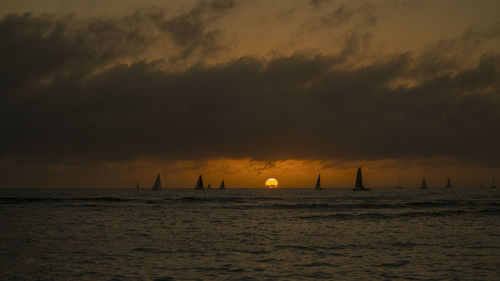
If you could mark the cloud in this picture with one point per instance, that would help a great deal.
(338, 16)
(317, 3)
(81, 91)
(190, 30)
(45, 46)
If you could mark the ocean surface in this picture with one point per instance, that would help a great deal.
(250, 234)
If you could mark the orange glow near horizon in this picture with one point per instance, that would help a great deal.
(271, 183)
(248, 173)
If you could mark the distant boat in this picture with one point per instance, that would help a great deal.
(424, 184)
(448, 183)
(318, 183)
(222, 185)
(399, 184)
(157, 184)
(359, 182)
(199, 184)
(209, 187)
(482, 184)
(493, 183)
(137, 185)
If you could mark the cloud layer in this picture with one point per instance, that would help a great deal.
(76, 90)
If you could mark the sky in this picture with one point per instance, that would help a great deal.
(110, 93)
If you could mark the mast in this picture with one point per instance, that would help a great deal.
(199, 184)
(222, 185)
(318, 183)
(157, 184)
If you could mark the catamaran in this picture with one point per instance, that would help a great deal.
(318, 183)
(359, 182)
(222, 185)
(424, 184)
(157, 184)
(199, 184)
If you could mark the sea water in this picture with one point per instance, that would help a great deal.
(250, 234)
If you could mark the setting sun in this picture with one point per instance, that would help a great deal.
(272, 183)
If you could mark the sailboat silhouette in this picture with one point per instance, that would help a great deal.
(318, 183)
(448, 183)
(359, 182)
(424, 184)
(399, 183)
(199, 184)
(157, 184)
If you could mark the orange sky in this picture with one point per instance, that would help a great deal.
(248, 173)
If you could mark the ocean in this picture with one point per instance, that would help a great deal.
(250, 234)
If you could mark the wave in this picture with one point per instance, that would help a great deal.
(209, 199)
(14, 200)
(377, 206)
(237, 202)
(340, 216)
(186, 199)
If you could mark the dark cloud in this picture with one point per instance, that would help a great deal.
(317, 3)
(62, 100)
(356, 25)
(339, 16)
(45, 47)
(191, 30)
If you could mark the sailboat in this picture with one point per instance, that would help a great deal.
(448, 183)
(137, 185)
(209, 187)
(222, 185)
(482, 184)
(424, 184)
(359, 182)
(199, 184)
(493, 183)
(399, 183)
(157, 184)
(318, 183)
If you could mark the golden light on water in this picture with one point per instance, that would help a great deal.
(272, 183)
